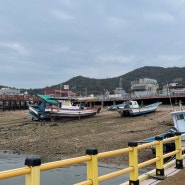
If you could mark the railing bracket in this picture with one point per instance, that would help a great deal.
(157, 177)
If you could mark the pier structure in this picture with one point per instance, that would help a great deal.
(142, 100)
(16, 102)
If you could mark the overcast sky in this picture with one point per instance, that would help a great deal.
(46, 42)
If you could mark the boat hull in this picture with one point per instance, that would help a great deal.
(51, 113)
(75, 113)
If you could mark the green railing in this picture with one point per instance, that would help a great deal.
(33, 166)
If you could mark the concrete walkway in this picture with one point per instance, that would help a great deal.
(153, 180)
(150, 177)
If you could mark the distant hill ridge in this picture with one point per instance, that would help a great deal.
(84, 85)
(98, 86)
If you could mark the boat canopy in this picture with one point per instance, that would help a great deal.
(47, 98)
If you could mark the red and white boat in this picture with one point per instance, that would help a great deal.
(60, 108)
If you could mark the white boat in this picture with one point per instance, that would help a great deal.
(132, 108)
(66, 109)
(60, 108)
(179, 120)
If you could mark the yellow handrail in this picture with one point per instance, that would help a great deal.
(63, 163)
(115, 174)
(114, 153)
(14, 172)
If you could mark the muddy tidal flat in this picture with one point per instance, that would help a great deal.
(56, 140)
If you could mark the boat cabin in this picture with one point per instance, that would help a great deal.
(132, 104)
(67, 104)
(179, 120)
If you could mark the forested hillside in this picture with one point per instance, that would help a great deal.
(84, 85)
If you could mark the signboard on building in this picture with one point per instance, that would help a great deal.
(66, 87)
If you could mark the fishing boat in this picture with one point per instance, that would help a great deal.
(179, 118)
(132, 108)
(59, 108)
(179, 121)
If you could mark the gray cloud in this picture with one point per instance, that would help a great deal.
(44, 43)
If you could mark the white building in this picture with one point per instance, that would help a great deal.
(144, 87)
(9, 91)
(176, 89)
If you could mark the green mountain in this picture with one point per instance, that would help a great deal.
(83, 85)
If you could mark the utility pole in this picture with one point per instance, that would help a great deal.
(120, 83)
(60, 89)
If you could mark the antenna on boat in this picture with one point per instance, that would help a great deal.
(168, 92)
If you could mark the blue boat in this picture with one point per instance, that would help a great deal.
(132, 108)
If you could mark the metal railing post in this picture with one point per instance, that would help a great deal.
(178, 146)
(159, 154)
(92, 166)
(34, 177)
(133, 162)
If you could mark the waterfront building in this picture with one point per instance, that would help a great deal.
(9, 91)
(59, 93)
(176, 89)
(144, 87)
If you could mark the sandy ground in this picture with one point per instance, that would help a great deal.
(59, 140)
